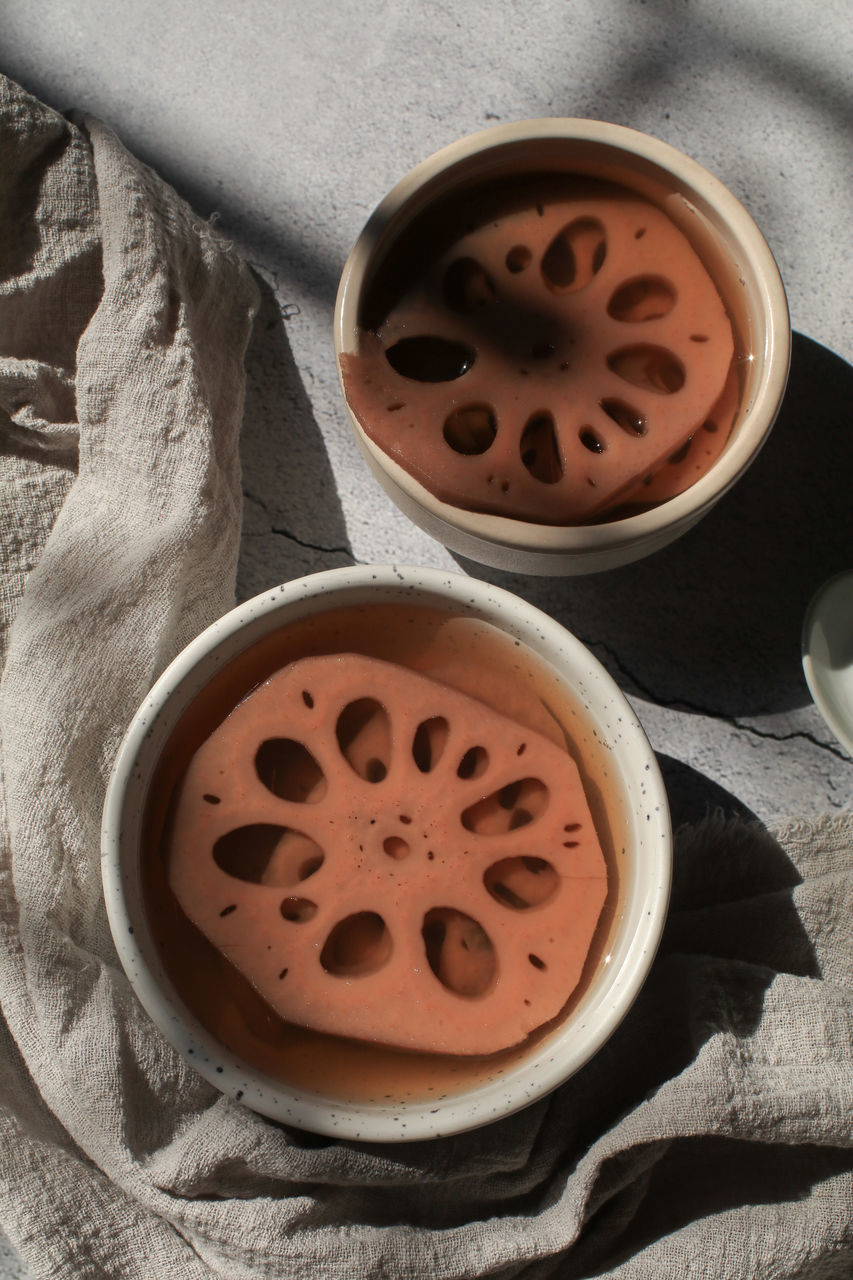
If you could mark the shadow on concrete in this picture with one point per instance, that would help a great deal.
(711, 42)
(693, 797)
(292, 518)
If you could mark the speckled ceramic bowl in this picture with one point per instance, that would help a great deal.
(621, 781)
(719, 228)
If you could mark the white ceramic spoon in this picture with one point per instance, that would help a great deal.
(828, 655)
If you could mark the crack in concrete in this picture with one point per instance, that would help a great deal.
(291, 537)
(674, 704)
(805, 734)
(314, 546)
(735, 722)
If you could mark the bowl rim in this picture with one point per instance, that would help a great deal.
(536, 1075)
(683, 509)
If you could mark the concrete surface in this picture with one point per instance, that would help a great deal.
(288, 122)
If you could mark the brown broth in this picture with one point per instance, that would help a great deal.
(457, 650)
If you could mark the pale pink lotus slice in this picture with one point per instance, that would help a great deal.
(386, 858)
(591, 343)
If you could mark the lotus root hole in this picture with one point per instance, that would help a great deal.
(358, 944)
(681, 453)
(263, 853)
(575, 256)
(307, 698)
(645, 298)
(537, 962)
(363, 732)
(698, 337)
(513, 806)
(211, 799)
(518, 259)
(468, 286)
(591, 441)
(396, 848)
(310, 866)
(298, 910)
(473, 764)
(522, 882)
(428, 744)
(288, 769)
(459, 951)
(540, 451)
(632, 422)
(652, 368)
(429, 358)
(471, 429)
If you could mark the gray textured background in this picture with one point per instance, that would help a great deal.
(289, 121)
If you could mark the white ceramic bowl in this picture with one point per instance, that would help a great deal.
(617, 763)
(719, 228)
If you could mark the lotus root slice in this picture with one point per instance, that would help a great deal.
(549, 361)
(388, 859)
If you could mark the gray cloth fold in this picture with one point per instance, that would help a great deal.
(711, 1137)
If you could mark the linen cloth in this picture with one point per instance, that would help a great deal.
(711, 1137)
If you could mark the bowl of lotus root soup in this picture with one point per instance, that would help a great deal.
(560, 342)
(386, 854)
